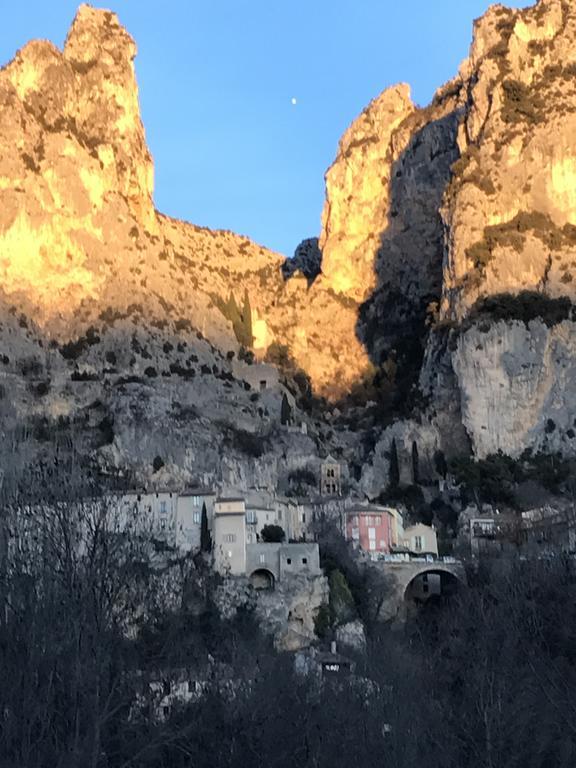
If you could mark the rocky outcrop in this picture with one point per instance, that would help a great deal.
(357, 195)
(307, 260)
(352, 635)
(287, 612)
(518, 386)
(511, 207)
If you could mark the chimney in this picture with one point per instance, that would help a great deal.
(333, 646)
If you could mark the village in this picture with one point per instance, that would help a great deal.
(268, 538)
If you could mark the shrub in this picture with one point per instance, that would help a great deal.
(151, 372)
(83, 376)
(524, 306)
(106, 428)
(157, 464)
(272, 534)
(248, 443)
(342, 608)
(323, 622)
(521, 103)
(41, 389)
(303, 476)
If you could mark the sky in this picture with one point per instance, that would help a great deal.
(217, 80)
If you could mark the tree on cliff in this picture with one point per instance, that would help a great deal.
(205, 538)
(285, 411)
(247, 321)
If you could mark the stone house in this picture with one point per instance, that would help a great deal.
(166, 515)
(420, 539)
(296, 518)
(547, 529)
(259, 516)
(492, 534)
(267, 564)
(150, 513)
(189, 517)
(229, 536)
(260, 376)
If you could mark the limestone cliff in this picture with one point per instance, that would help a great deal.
(429, 213)
(477, 203)
(79, 235)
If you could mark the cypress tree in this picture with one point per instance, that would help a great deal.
(415, 464)
(394, 471)
(285, 411)
(247, 321)
(205, 538)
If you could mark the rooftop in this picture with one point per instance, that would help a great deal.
(198, 492)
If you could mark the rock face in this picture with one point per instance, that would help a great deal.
(287, 613)
(357, 194)
(429, 213)
(80, 238)
(518, 386)
(477, 203)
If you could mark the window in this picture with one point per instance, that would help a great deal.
(191, 686)
(196, 517)
(163, 508)
(196, 501)
(378, 520)
(279, 514)
(303, 517)
(355, 521)
(418, 543)
(163, 524)
(230, 538)
(251, 517)
(262, 385)
(304, 561)
(262, 559)
(289, 560)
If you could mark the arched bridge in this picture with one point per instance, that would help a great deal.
(418, 579)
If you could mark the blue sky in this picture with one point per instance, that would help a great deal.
(216, 80)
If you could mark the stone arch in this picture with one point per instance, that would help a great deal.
(432, 581)
(262, 578)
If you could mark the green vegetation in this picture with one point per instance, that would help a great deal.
(496, 478)
(521, 103)
(205, 537)
(272, 534)
(394, 469)
(512, 234)
(342, 607)
(524, 306)
(158, 463)
(285, 411)
(241, 319)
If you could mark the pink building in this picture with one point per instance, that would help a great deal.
(369, 527)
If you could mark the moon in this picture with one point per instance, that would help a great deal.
(293, 101)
